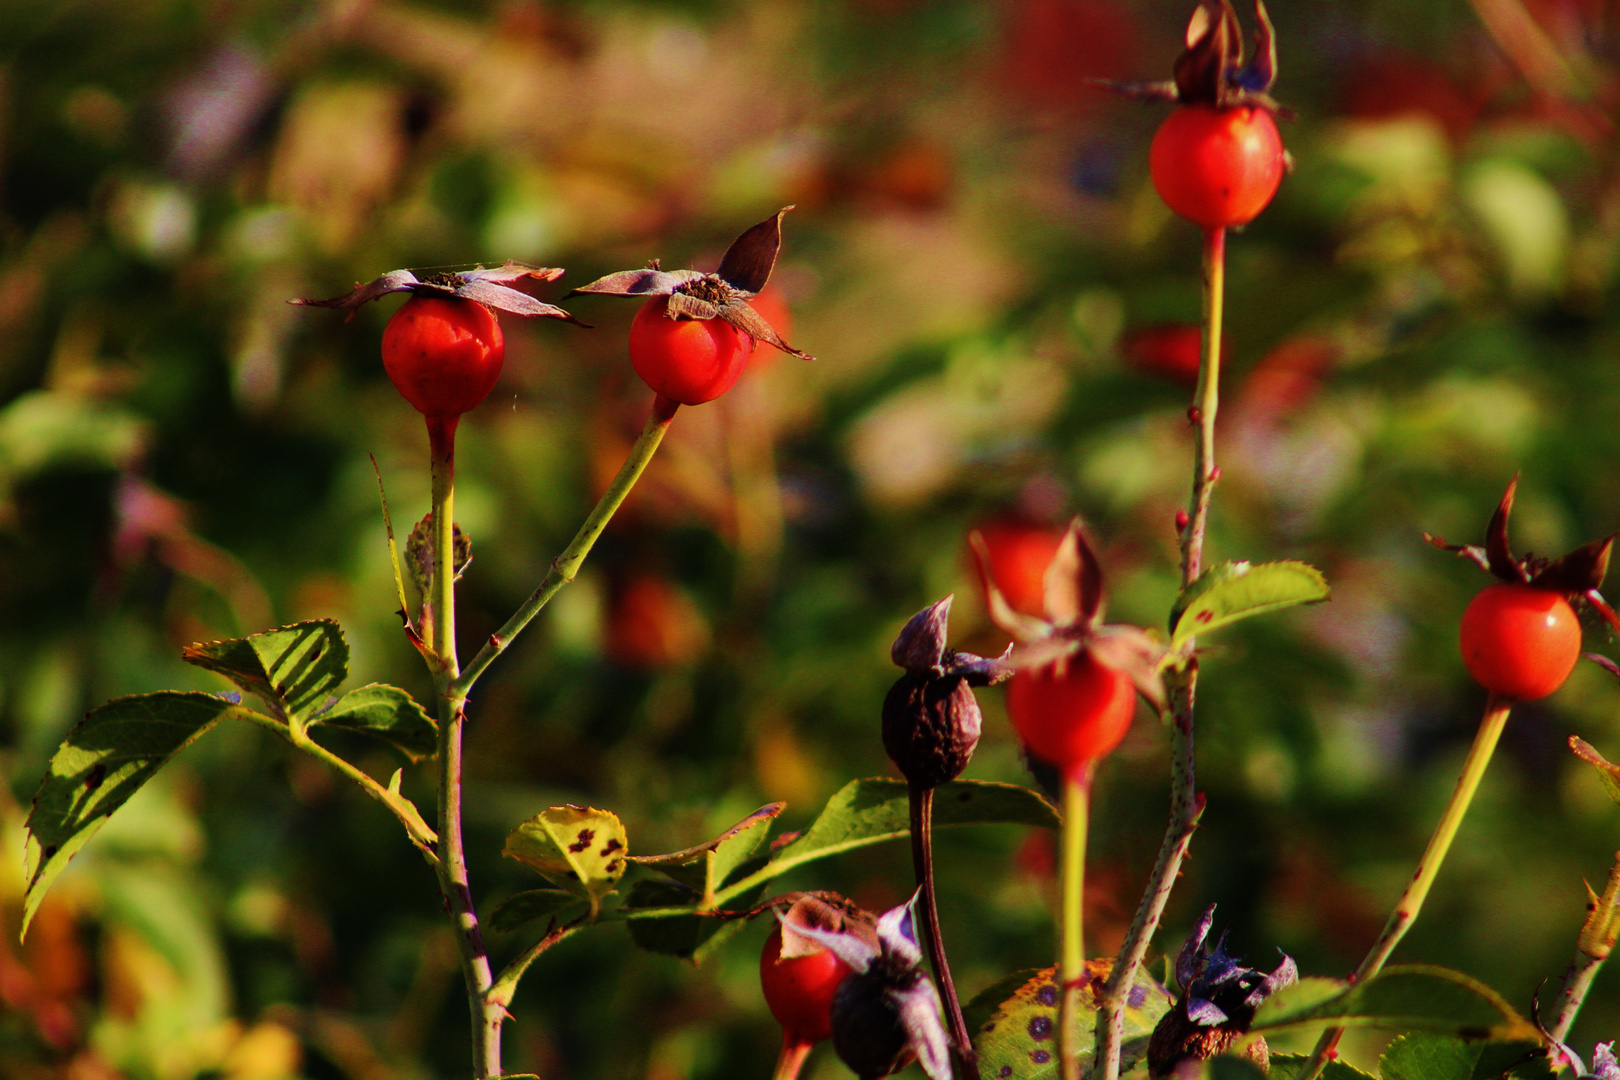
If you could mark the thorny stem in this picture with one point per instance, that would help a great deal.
(791, 1059)
(1076, 800)
(1411, 901)
(566, 565)
(922, 862)
(486, 1015)
(1592, 947)
(1185, 804)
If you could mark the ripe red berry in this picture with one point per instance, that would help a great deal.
(1071, 712)
(1217, 167)
(687, 360)
(443, 353)
(800, 990)
(1520, 642)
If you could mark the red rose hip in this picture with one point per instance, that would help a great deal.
(443, 353)
(686, 360)
(800, 990)
(1520, 642)
(1217, 166)
(1072, 712)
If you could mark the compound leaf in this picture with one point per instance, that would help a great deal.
(1414, 997)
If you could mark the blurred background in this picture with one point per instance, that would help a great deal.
(1001, 308)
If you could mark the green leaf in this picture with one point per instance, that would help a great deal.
(1406, 998)
(387, 713)
(1231, 1067)
(531, 906)
(1020, 1038)
(577, 847)
(1430, 1056)
(1289, 1066)
(1231, 591)
(688, 936)
(704, 868)
(103, 761)
(876, 809)
(988, 1000)
(1425, 1055)
(294, 670)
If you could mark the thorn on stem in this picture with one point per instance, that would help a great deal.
(1195, 415)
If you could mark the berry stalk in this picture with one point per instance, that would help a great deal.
(566, 565)
(452, 865)
(1186, 806)
(922, 861)
(1406, 910)
(1076, 809)
(791, 1060)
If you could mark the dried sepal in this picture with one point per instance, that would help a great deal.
(1210, 69)
(1580, 571)
(745, 269)
(1073, 584)
(826, 912)
(492, 287)
(1498, 554)
(1472, 552)
(748, 262)
(1135, 652)
(648, 281)
(920, 645)
(1014, 623)
(1604, 662)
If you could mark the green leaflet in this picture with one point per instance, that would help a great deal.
(103, 761)
(387, 713)
(576, 847)
(293, 669)
(1231, 591)
(1413, 997)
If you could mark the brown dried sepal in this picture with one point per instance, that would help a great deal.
(1210, 69)
(745, 269)
(1074, 598)
(1575, 575)
(493, 288)
(826, 911)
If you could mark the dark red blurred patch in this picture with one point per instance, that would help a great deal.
(1052, 46)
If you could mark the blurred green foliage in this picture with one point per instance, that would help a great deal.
(1429, 306)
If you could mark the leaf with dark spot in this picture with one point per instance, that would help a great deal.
(557, 843)
(105, 759)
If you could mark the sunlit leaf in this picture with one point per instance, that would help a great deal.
(103, 761)
(294, 669)
(1020, 1038)
(1232, 591)
(577, 847)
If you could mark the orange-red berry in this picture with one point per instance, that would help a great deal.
(1520, 642)
(443, 353)
(1217, 167)
(1072, 712)
(687, 360)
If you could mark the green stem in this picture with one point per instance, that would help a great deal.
(922, 862)
(1411, 901)
(1076, 800)
(566, 565)
(453, 881)
(1185, 804)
